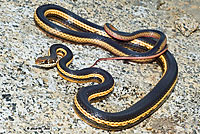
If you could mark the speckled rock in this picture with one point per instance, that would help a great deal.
(34, 100)
(186, 24)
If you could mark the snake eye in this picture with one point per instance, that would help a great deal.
(45, 61)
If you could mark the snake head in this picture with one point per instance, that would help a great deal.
(46, 62)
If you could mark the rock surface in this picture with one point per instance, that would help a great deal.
(34, 100)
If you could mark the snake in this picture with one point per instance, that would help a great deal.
(139, 46)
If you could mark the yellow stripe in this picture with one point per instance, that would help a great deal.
(100, 94)
(124, 123)
(75, 21)
(80, 76)
(78, 39)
